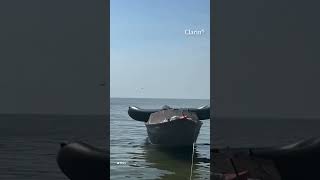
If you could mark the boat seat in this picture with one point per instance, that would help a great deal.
(302, 149)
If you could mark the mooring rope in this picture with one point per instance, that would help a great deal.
(191, 168)
(192, 157)
(193, 151)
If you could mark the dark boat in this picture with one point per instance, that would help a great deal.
(81, 161)
(292, 162)
(171, 127)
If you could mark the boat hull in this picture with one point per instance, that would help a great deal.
(80, 161)
(174, 133)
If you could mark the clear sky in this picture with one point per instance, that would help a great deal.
(151, 57)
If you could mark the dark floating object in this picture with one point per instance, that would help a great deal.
(171, 127)
(80, 161)
(144, 114)
(292, 162)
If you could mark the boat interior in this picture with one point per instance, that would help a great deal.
(167, 114)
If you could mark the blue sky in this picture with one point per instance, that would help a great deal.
(151, 57)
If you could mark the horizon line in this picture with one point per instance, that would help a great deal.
(159, 98)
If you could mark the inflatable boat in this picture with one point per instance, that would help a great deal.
(143, 115)
(81, 161)
(171, 126)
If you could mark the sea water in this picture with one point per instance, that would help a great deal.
(132, 157)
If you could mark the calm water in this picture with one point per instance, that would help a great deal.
(29, 144)
(133, 158)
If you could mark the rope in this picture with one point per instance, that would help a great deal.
(194, 142)
(191, 169)
(235, 168)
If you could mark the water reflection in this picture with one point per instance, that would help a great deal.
(131, 158)
(175, 163)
